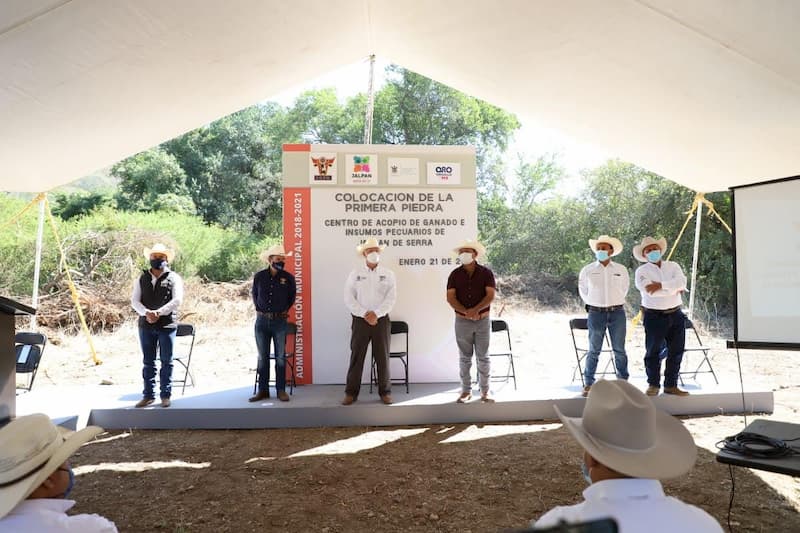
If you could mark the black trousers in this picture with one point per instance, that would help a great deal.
(361, 335)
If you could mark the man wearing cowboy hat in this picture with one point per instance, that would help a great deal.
(369, 294)
(603, 286)
(157, 294)
(273, 294)
(470, 290)
(628, 446)
(661, 283)
(36, 478)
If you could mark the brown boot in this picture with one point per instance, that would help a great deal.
(282, 396)
(652, 390)
(675, 391)
(348, 400)
(586, 390)
(387, 399)
(166, 402)
(144, 402)
(262, 395)
(464, 398)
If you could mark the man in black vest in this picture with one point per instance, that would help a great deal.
(157, 294)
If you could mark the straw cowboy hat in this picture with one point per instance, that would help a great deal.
(32, 448)
(275, 249)
(647, 241)
(159, 248)
(473, 244)
(372, 242)
(623, 430)
(615, 243)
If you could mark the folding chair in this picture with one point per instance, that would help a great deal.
(582, 324)
(503, 350)
(691, 346)
(400, 329)
(184, 358)
(290, 348)
(28, 348)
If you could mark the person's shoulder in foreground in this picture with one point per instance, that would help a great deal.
(629, 445)
(35, 478)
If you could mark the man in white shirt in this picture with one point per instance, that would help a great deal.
(661, 283)
(35, 478)
(369, 295)
(628, 446)
(156, 296)
(603, 286)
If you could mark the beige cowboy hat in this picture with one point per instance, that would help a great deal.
(372, 242)
(615, 243)
(159, 248)
(647, 241)
(275, 249)
(32, 448)
(473, 244)
(623, 430)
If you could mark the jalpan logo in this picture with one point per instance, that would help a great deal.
(323, 168)
(362, 169)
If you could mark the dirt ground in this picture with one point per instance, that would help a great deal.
(436, 478)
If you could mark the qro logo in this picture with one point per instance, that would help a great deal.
(444, 170)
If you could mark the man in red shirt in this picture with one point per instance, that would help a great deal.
(470, 290)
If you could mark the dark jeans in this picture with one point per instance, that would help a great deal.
(164, 339)
(362, 334)
(615, 322)
(271, 331)
(658, 329)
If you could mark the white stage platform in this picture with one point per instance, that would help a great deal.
(319, 406)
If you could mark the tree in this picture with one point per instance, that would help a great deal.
(146, 177)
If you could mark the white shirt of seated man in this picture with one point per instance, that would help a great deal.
(628, 446)
(36, 478)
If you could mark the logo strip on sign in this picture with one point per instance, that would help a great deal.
(297, 239)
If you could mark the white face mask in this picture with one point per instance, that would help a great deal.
(373, 257)
(465, 258)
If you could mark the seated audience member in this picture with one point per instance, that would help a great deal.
(628, 446)
(36, 478)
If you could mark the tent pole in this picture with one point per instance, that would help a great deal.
(370, 102)
(695, 253)
(37, 261)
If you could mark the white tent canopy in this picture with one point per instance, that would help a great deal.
(706, 93)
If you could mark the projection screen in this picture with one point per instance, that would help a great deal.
(767, 264)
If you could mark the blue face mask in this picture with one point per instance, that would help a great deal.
(278, 265)
(654, 256)
(601, 255)
(585, 472)
(71, 481)
(158, 264)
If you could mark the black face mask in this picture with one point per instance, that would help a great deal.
(158, 264)
(278, 265)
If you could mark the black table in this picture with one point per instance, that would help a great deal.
(789, 465)
(8, 381)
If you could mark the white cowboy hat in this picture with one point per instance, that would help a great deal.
(159, 248)
(32, 448)
(615, 243)
(473, 244)
(372, 242)
(275, 249)
(647, 241)
(624, 431)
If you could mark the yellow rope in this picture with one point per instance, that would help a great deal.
(16, 217)
(72, 289)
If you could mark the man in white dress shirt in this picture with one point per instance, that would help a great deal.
(661, 283)
(628, 446)
(36, 478)
(603, 286)
(369, 295)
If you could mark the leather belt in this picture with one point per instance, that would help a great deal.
(480, 316)
(662, 311)
(603, 309)
(272, 316)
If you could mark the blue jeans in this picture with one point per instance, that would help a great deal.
(615, 322)
(164, 339)
(658, 329)
(274, 331)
